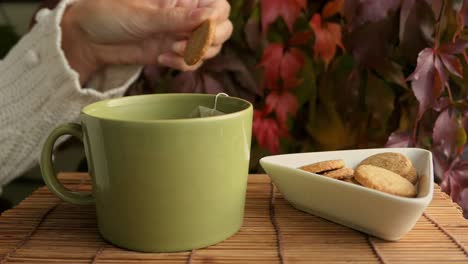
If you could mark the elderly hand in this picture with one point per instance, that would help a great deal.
(97, 33)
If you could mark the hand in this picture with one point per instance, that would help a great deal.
(97, 33)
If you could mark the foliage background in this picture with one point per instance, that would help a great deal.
(342, 74)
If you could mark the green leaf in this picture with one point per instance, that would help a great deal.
(307, 90)
(461, 134)
(236, 7)
(449, 24)
(344, 64)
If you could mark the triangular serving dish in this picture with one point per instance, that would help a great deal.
(376, 213)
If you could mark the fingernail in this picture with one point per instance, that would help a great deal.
(200, 14)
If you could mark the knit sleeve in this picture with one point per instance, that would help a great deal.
(39, 91)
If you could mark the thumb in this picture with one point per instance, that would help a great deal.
(177, 19)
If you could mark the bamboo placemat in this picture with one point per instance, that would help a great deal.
(42, 229)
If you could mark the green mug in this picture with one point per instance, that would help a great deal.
(162, 182)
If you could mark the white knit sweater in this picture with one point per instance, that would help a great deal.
(39, 91)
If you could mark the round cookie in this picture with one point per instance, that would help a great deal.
(412, 176)
(396, 162)
(342, 173)
(324, 166)
(384, 180)
(199, 42)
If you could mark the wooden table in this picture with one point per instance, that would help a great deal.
(42, 229)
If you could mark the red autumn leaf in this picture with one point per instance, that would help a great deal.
(441, 163)
(266, 131)
(459, 46)
(278, 63)
(462, 18)
(327, 37)
(302, 3)
(291, 64)
(271, 61)
(289, 10)
(399, 139)
(427, 82)
(431, 76)
(455, 182)
(439, 66)
(332, 8)
(441, 103)
(453, 64)
(300, 38)
(283, 104)
(445, 134)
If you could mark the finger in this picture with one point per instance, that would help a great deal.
(175, 61)
(212, 52)
(124, 54)
(140, 52)
(222, 7)
(187, 3)
(159, 3)
(223, 33)
(206, 2)
(177, 19)
(180, 46)
(182, 35)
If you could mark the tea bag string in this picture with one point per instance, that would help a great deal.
(216, 101)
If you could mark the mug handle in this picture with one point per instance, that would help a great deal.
(47, 168)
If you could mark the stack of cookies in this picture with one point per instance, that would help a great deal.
(389, 172)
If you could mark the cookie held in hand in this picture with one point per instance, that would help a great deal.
(384, 180)
(199, 42)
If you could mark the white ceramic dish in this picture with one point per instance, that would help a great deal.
(373, 212)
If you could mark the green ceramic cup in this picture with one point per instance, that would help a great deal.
(162, 182)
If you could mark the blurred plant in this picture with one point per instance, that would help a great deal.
(327, 75)
(342, 74)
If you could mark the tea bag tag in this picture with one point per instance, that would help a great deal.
(206, 111)
(203, 111)
(216, 103)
